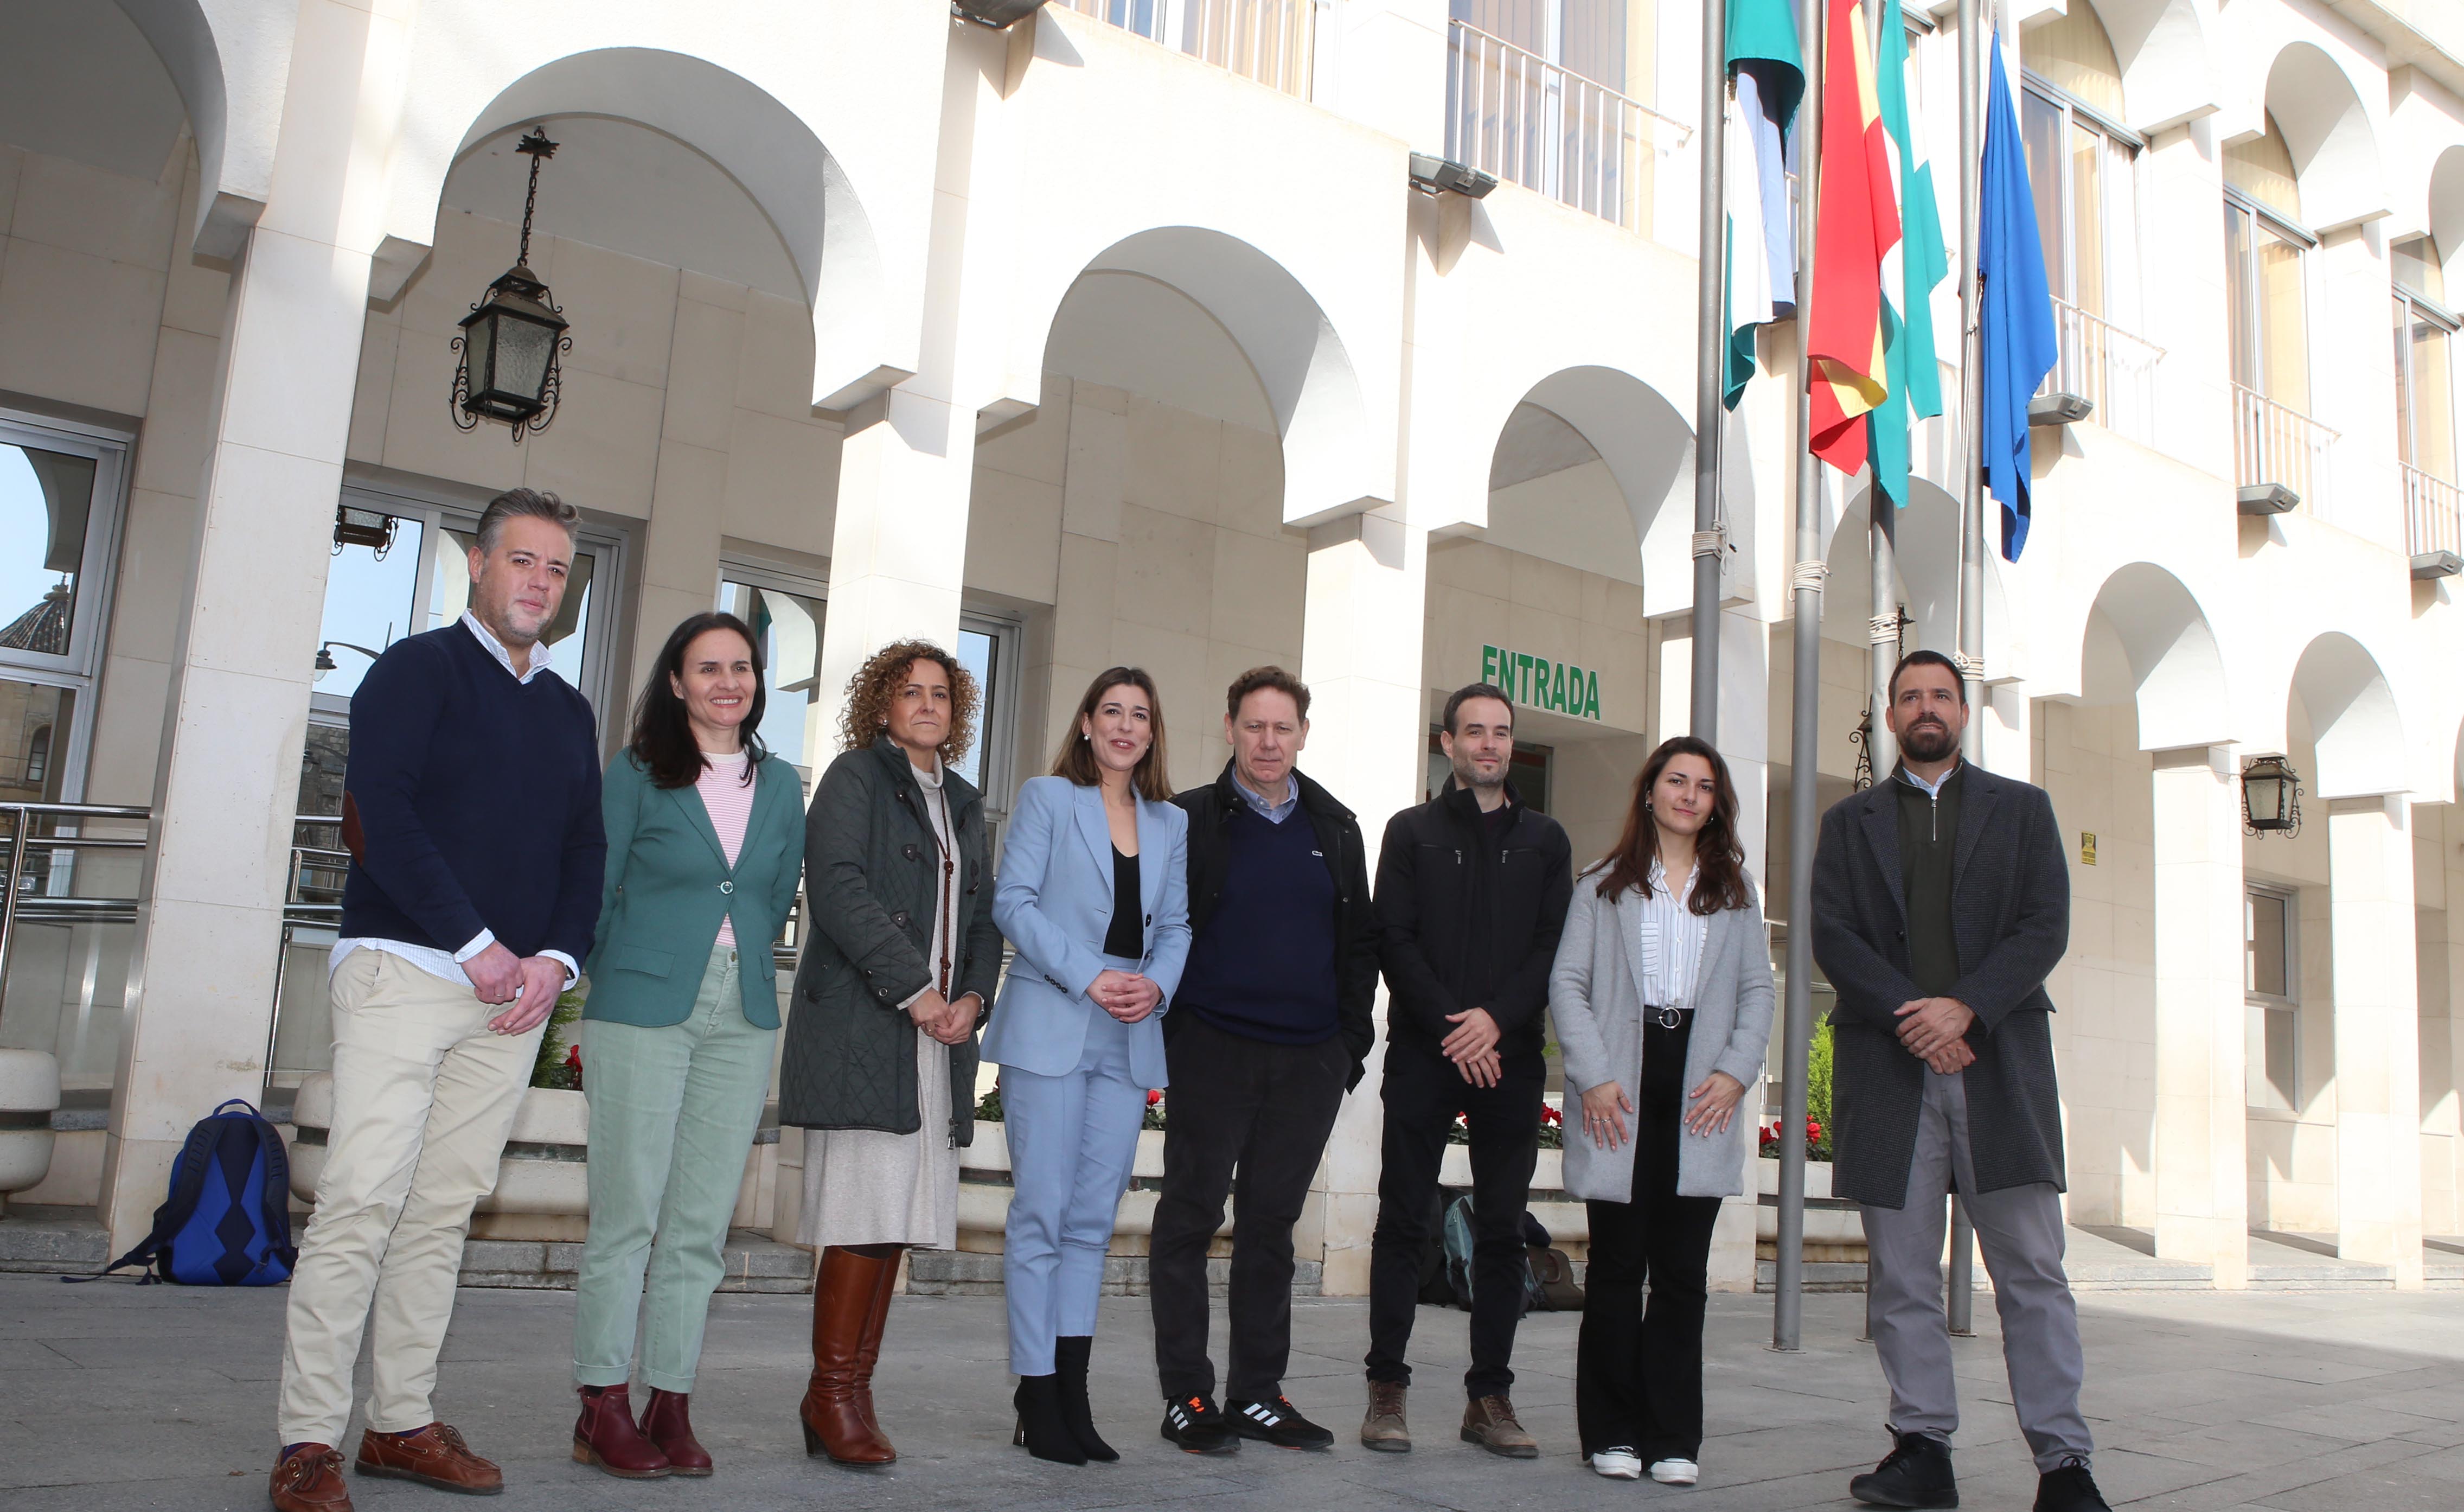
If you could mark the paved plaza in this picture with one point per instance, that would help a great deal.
(119, 1398)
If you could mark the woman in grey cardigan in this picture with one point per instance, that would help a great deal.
(900, 958)
(1661, 997)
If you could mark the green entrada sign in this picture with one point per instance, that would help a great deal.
(1539, 683)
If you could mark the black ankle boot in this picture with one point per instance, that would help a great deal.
(1070, 1359)
(1915, 1474)
(1041, 1429)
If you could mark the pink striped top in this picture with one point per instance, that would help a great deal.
(728, 799)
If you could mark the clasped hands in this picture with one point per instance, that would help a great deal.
(1714, 1106)
(531, 983)
(1126, 995)
(949, 1022)
(1472, 1046)
(1934, 1029)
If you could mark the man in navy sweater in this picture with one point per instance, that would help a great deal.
(1269, 1030)
(471, 812)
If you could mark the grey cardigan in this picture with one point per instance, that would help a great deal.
(1595, 1002)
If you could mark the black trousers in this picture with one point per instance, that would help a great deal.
(1424, 1091)
(1264, 1111)
(1638, 1373)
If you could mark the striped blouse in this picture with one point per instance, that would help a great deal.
(1672, 943)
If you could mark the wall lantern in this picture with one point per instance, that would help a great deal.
(325, 661)
(2270, 796)
(511, 339)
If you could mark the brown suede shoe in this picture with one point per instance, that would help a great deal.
(436, 1455)
(1489, 1422)
(310, 1480)
(1383, 1427)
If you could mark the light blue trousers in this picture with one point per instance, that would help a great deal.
(1073, 1141)
(672, 1114)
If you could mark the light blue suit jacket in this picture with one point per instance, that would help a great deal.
(1053, 900)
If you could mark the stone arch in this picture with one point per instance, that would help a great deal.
(2357, 728)
(749, 134)
(1925, 543)
(2446, 218)
(2162, 48)
(231, 70)
(1646, 447)
(2177, 672)
(2335, 149)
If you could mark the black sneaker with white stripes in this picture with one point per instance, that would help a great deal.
(1197, 1426)
(1276, 1421)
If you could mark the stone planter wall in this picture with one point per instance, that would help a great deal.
(29, 1090)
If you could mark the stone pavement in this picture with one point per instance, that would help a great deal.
(115, 1398)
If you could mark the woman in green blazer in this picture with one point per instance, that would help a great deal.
(705, 845)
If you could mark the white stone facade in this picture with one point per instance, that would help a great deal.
(1098, 346)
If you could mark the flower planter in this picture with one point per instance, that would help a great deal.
(542, 1186)
(1831, 1227)
(30, 1092)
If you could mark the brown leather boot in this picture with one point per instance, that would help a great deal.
(867, 1352)
(667, 1423)
(843, 1299)
(605, 1435)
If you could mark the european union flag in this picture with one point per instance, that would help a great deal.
(2018, 343)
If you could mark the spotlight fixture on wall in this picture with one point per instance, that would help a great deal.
(512, 339)
(2270, 796)
(1432, 174)
(995, 13)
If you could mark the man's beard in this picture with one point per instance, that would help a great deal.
(1930, 740)
(1468, 776)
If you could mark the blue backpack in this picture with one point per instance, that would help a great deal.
(227, 1221)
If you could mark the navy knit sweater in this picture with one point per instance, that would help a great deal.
(1263, 967)
(477, 799)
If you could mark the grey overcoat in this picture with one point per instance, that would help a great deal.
(2011, 918)
(1596, 1005)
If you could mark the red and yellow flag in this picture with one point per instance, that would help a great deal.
(1857, 222)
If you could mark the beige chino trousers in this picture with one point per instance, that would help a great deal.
(423, 1096)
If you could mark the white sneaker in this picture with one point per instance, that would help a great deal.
(1617, 1465)
(1675, 1471)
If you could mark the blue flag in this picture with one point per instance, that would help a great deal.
(2016, 324)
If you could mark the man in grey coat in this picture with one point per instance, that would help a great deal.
(1941, 903)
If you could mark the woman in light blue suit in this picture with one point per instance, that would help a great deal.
(1093, 894)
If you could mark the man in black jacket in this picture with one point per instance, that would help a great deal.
(1269, 1030)
(1472, 889)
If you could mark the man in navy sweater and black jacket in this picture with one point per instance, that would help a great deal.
(471, 812)
(1269, 1030)
(1472, 889)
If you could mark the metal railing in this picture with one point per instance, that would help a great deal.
(2110, 369)
(2273, 443)
(2433, 513)
(1529, 121)
(33, 897)
(1266, 40)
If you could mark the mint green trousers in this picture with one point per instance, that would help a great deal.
(672, 1114)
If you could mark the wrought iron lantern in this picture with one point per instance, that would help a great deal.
(512, 339)
(2270, 796)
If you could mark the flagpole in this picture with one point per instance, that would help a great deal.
(1805, 731)
(1971, 514)
(1710, 343)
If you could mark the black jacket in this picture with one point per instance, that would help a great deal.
(2011, 908)
(1210, 812)
(872, 875)
(1467, 924)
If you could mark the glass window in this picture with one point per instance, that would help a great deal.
(2425, 393)
(60, 497)
(789, 626)
(2265, 284)
(2270, 984)
(2079, 175)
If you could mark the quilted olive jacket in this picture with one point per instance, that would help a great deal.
(871, 870)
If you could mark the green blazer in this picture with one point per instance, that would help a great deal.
(668, 885)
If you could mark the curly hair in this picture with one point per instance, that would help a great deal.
(869, 691)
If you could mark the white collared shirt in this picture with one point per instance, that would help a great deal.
(1672, 942)
(447, 964)
(1933, 789)
(1277, 811)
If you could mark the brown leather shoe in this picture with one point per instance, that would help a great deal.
(1383, 1427)
(1489, 1421)
(605, 1435)
(437, 1456)
(867, 1352)
(667, 1422)
(843, 1301)
(310, 1480)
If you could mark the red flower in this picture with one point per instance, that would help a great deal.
(573, 1057)
(1551, 1116)
(1813, 1129)
(1154, 1096)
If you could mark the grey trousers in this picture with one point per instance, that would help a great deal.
(2020, 1230)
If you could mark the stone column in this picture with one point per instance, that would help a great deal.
(2378, 1046)
(1360, 654)
(2202, 1181)
(210, 910)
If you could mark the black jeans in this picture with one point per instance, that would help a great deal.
(1265, 1110)
(1639, 1375)
(1424, 1091)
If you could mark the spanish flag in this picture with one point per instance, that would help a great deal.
(1857, 224)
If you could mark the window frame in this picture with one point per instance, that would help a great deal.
(78, 669)
(2305, 242)
(2418, 305)
(2265, 1003)
(2077, 112)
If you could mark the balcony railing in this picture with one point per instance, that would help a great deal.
(1265, 40)
(2109, 367)
(2279, 447)
(2433, 515)
(1528, 121)
(68, 908)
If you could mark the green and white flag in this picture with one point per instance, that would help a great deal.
(1766, 80)
(1910, 271)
